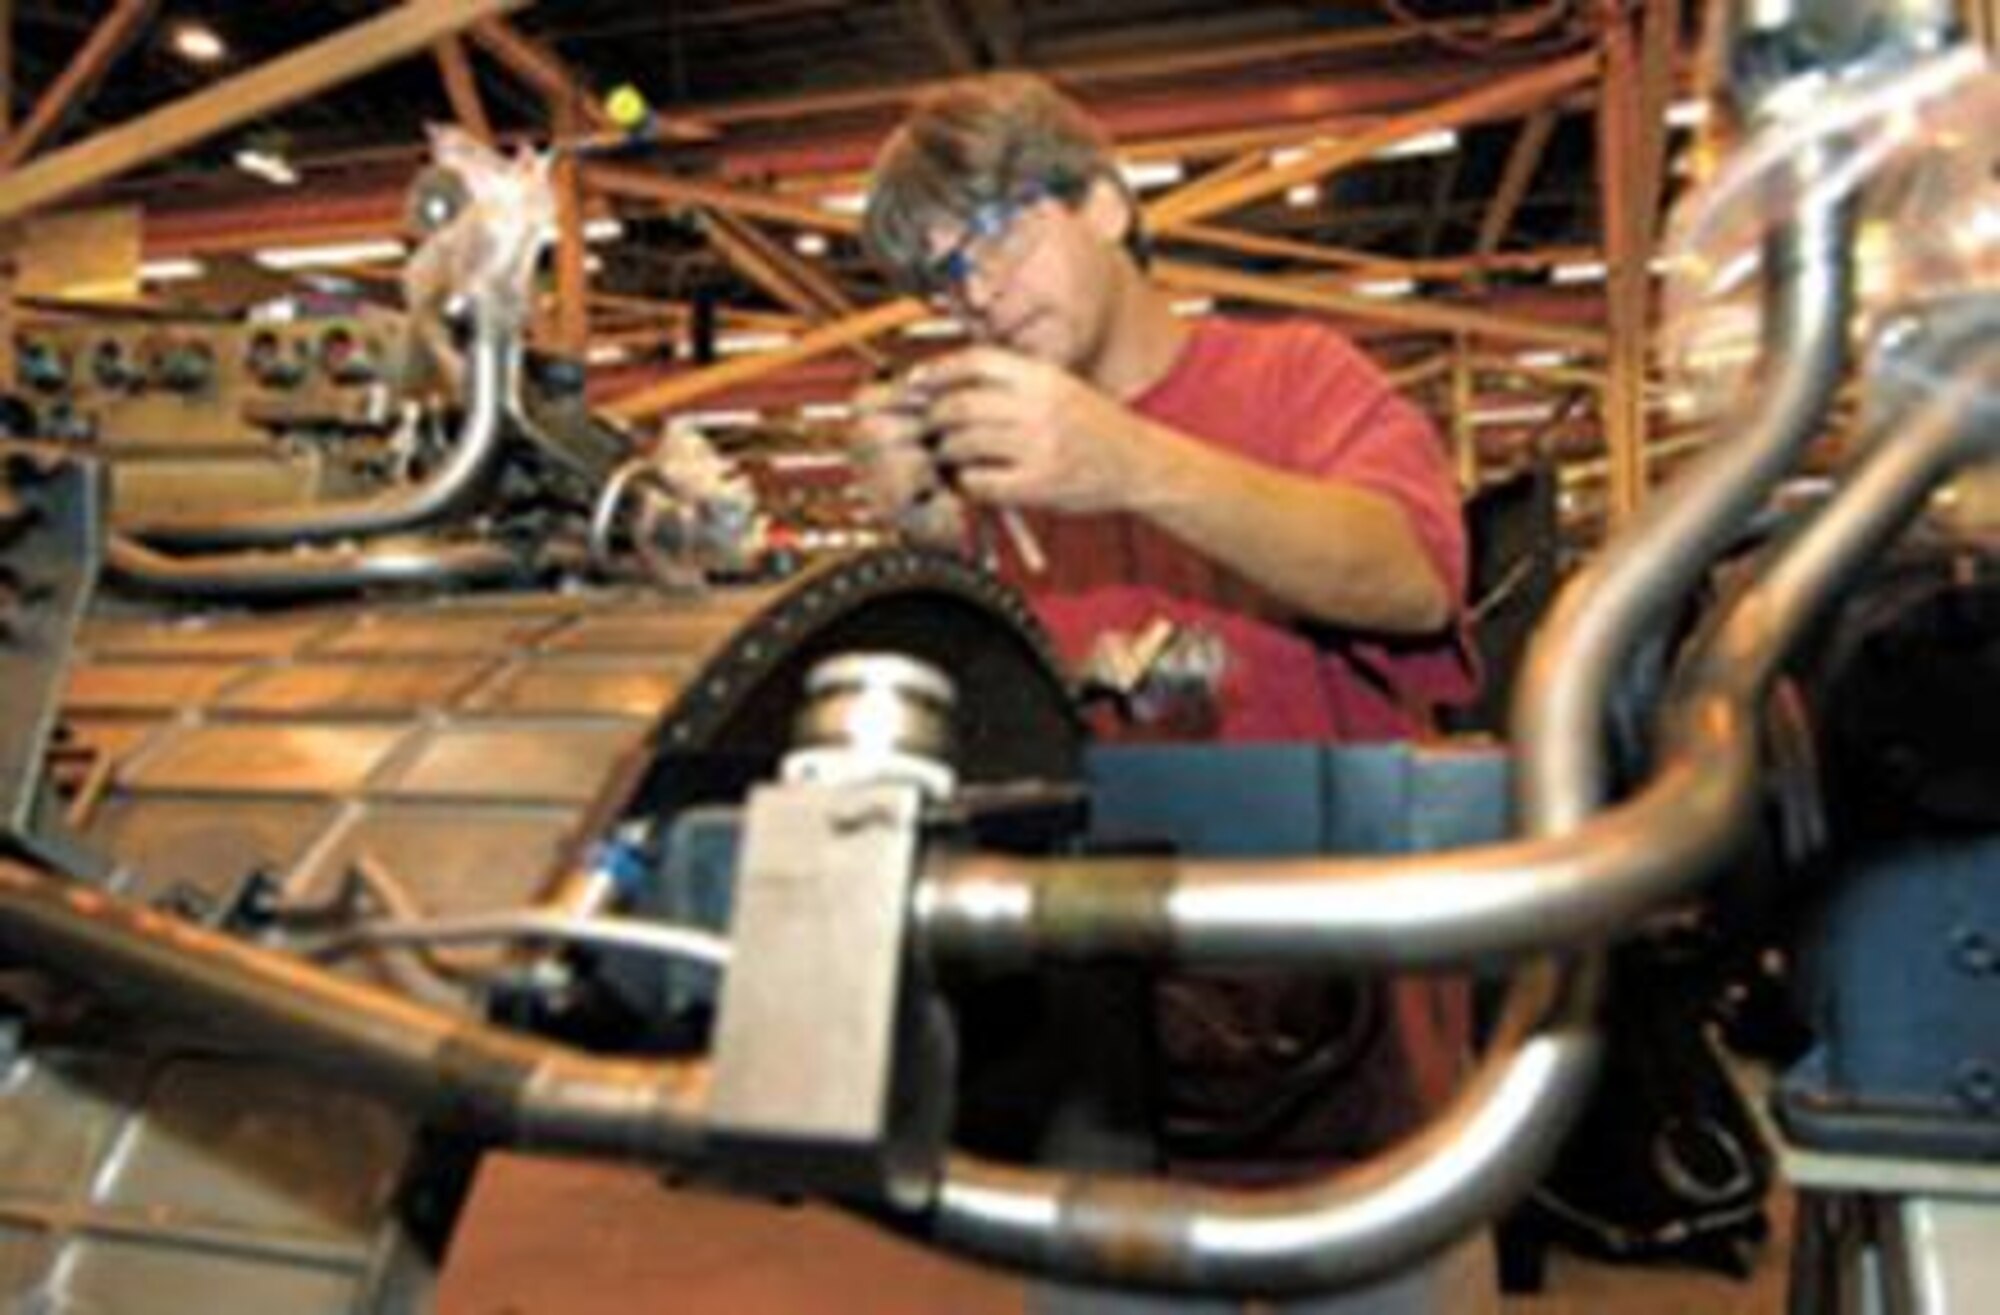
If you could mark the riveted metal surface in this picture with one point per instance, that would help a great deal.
(232, 639)
(455, 859)
(431, 633)
(145, 686)
(204, 844)
(355, 688)
(512, 763)
(288, 758)
(587, 686)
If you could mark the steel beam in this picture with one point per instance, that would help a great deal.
(329, 62)
(105, 43)
(461, 88)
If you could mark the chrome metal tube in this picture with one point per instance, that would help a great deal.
(1335, 1231)
(445, 492)
(270, 575)
(454, 1071)
(1631, 588)
(1569, 888)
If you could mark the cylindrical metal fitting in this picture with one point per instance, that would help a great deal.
(875, 716)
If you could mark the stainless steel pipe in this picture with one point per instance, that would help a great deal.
(248, 574)
(445, 492)
(454, 1071)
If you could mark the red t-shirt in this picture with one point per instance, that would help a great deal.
(1298, 396)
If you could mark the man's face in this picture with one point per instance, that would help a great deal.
(1030, 274)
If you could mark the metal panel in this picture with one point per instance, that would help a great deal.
(205, 844)
(242, 1146)
(145, 686)
(624, 689)
(356, 687)
(43, 1158)
(453, 859)
(218, 641)
(252, 759)
(516, 763)
(406, 634)
(171, 1278)
(691, 632)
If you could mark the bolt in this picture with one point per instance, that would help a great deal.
(1978, 1085)
(1974, 951)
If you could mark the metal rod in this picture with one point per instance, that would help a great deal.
(245, 575)
(692, 945)
(454, 1071)
(1336, 1231)
(490, 397)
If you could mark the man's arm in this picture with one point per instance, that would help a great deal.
(1028, 434)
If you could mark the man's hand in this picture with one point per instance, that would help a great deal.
(897, 473)
(1022, 432)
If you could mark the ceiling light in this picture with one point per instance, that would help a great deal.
(268, 165)
(1543, 359)
(607, 229)
(198, 44)
(1513, 415)
(1145, 175)
(1581, 271)
(1383, 287)
(826, 411)
(810, 243)
(720, 419)
(934, 328)
(1438, 141)
(1687, 114)
(1303, 196)
(173, 269)
(607, 353)
(844, 203)
(1194, 307)
(751, 340)
(329, 254)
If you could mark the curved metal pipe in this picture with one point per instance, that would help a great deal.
(1631, 588)
(1336, 1231)
(454, 1071)
(269, 575)
(490, 397)
(1548, 894)
(1497, 1134)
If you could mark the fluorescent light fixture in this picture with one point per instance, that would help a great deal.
(1580, 271)
(1512, 415)
(1383, 287)
(1438, 141)
(844, 203)
(1303, 196)
(810, 243)
(608, 229)
(719, 419)
(1285, 156)
(751, 340)
(172, 269)
(593, 264)
(330, 254)
(934, 329)
(268, 165)
(1194, 307)
(1543, 359)
(1144, 175)
(826, 411)
(279, 310)
(607, 353)
(802, 461)
(1687, 113)
(198, 44)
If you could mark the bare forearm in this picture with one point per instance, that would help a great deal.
(1339, 553)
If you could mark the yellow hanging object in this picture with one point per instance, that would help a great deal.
(626, 106)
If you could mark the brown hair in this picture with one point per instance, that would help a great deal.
(976, 141)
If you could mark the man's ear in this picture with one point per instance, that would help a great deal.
(1107, 208)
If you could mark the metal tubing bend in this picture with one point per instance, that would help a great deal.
(445, 492)
(1335, 1231)
(454, 1071)
(274, 575)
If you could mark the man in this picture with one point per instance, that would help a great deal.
(1258, 482)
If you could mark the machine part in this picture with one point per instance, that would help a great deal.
(1333, 1232)
(451, 1071)
(49, 558)
(680, 944)
(316, 573)
(446, 492)
(847, 1097)
(875, 717)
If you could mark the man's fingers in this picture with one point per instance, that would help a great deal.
(974, 405)
(979, 444)
(972, 365)
(1001, 485)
